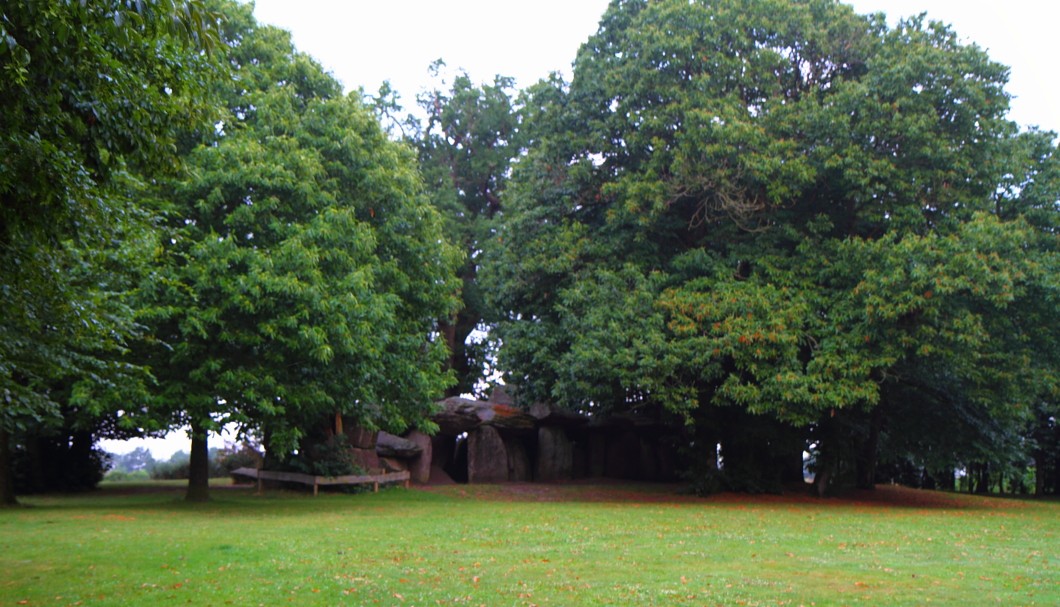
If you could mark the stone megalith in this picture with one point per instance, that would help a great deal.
(499, 394)
(518, 460)
(623, 455)
(458, 415)
(649, 461)
(393, 464)
(487, 457)
(367, 459)
(555, 454)
(360, 437)
(420, 467)
(388, 445)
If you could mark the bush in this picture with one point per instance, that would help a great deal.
(121, 476)
(176, 468)
(224, 461)
(333, 457)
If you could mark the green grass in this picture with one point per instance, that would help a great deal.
(528, 545)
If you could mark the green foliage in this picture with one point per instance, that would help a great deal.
(122, 476)
(93, 93)
(177, 467)
(303, 269)
(139, 458)
(139, 464)
(91, 90)
(240, 455)
(787, 208)
(54, 462)
(465, 151)
(333, 457)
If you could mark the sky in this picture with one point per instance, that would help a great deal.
(364, 42)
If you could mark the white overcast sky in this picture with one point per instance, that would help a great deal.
(364, 42)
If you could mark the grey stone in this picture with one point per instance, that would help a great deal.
(518, 460)
(366, 459)
(388, 445)
(623, 455)
(420, 466)
(500, 396)
(360, 437)
(555, 454)
(459, 415)
(487, 457)
(393, 464)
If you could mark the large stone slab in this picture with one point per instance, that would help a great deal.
(519, 469)
(393, 464)
(623, 455)
(597, 454)
(551, 416)
(367, 459)
(388, 445)
(359, 437)
(499, 395)
(420, 466)
(555, 455)
(487, 457)
(459, 415)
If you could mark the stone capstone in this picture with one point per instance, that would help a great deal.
(388, 445)
(459, 415)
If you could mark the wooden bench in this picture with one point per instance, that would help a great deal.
(316, 481)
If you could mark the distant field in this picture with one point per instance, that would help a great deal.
(526, 545)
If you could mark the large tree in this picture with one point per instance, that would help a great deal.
(305, 269)
(92, 92)
(773, 213)
(465, 149)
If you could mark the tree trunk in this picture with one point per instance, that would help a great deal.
(199, 466)
(81, 462)
(983, 484)
(455, 331)
(828, 456)
(7, 474)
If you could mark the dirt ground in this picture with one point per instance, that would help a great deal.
(884, 496)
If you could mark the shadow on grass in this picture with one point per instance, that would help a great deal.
(161, 496)
(884, 496)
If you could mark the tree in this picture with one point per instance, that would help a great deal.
(139, 458)
(92, 92)
(780, 208)
(304, 269)
(465, 151)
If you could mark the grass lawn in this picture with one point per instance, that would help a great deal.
(528, 545)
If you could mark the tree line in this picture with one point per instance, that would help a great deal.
(777, 226)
